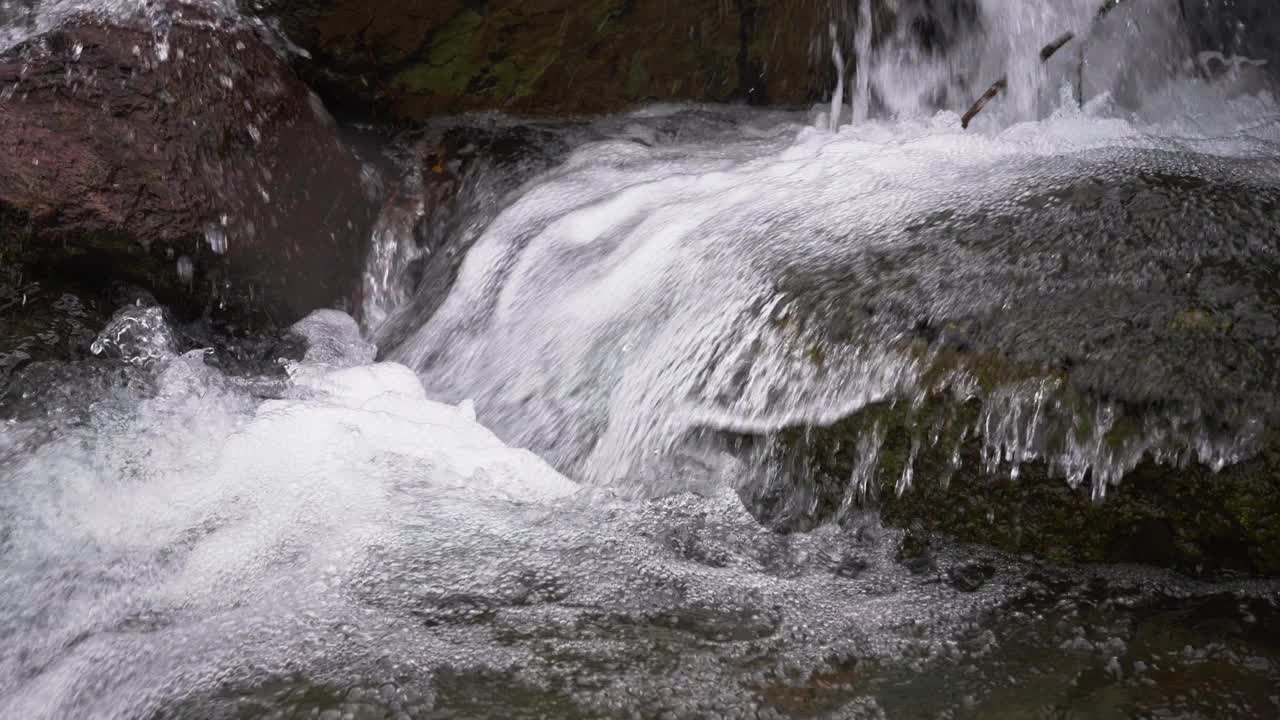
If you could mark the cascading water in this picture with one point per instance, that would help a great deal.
(330, 536)
(640, 294)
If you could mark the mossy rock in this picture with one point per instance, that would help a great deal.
(1134, 301)
(932, 472)
(1198, 521)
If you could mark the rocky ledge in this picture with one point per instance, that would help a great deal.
(1088, 374)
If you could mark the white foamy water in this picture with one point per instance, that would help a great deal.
(189, 551)
(201, 512)
(637, 293)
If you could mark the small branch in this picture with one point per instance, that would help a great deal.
(997, 88)
(1046, 52)
(1106, 8)
(1002, 84)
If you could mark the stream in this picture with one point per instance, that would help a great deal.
(507, 487)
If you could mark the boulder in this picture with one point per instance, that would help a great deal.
(180, 152)
(1087, 374)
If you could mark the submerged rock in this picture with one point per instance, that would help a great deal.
(180, 152)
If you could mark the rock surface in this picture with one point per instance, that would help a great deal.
(1190, 518)
(184, 156)
(411, 60)
(422, 58)
(1245, 28)
(1119, 331)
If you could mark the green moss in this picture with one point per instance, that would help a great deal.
(606, 15)
(817, 356)
(450, 65)
(1189, 518)
(1194, 321)
(638, 74)
(517, 77)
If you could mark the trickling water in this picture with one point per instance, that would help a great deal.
(837, 99)
(862, 49)
(914, 58)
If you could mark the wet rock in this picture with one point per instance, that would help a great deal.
(427, 57)
(1089, 346)
(970, 577)
(67, 392)
(565, 57)
(243, 350)
(179, 152)
(1233, 28)
(453, 176)
(1187, 516)
(41, 322)
(710, 624)
(849, 566)
(915, 551)
(302, 697)
(456, 609)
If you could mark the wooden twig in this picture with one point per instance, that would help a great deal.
(1002, 84)
(1046, 52)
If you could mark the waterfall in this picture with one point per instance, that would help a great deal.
(921, 57)
(861, 100)
(837, 98)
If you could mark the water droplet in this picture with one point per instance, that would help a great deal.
(216, 237)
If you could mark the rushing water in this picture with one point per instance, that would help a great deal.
(337, 537)
(643, 290)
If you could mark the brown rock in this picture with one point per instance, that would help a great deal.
(186, 157)
(409, 60)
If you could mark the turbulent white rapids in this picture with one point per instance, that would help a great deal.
(522, 511)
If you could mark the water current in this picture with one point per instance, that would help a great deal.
(513, 495)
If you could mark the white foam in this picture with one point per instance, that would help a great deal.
(202, 499)
(334, 340)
